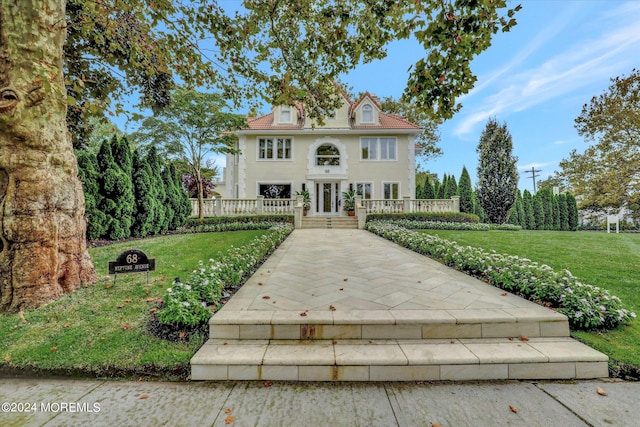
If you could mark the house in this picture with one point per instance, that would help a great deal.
(358, 147)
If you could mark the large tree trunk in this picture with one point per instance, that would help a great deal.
(43, 250)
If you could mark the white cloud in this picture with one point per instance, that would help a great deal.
(579, 64)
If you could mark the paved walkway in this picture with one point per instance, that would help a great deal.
(348, 305)
(124, 404)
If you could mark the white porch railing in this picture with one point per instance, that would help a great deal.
(237, 207)
(408, 205)
(262, 206)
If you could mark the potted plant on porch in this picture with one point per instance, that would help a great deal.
(349, 201)
(306, 200)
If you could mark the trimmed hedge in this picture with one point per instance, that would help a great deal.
(216, 220)
(426, 216)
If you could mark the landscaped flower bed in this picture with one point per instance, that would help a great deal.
(439, 225)
(586, 306)
(192, 302)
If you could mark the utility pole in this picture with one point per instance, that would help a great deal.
(533, 173)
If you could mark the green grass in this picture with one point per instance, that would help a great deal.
(101, 329)
(610, 261)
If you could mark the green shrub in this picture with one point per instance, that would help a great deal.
(425, 216)
(216, 220)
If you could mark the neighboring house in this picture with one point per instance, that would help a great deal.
(358, 147)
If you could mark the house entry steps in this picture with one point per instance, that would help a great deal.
(345, 222)
(346, 305)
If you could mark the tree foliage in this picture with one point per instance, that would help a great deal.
(282, 51)
(497, 172)
(195, 127)
(605, 176)
(529, 221)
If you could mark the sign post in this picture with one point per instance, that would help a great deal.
(132, 261)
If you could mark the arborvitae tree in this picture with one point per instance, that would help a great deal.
(564, 212)
(143, 191)
(465, 192)
(88, 174)
(183, 204)
(527, 206)
(436, 189)
(477, 208)
(556, 213)
(160, 218)
(538, 212)
(516, 214)
(546, 197)
(451, 187)
(572, 208)
(116, 193)
(443, 187)
(497, 172)
(428, 189)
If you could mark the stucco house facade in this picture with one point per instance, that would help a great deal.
(357, 147)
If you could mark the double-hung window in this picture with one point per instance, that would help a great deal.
(274, 148)
(378, 148)
(367, 113)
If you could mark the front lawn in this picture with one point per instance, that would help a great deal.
(101, 330)
(610, 261)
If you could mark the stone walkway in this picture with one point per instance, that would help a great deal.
(348, 305)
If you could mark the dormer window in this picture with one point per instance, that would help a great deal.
(285, 114)
(367, 113)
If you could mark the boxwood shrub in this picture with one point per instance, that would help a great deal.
(426, 216)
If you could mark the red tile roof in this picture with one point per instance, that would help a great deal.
(387, 120)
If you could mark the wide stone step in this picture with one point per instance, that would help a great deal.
(397, 360)
(393, 324)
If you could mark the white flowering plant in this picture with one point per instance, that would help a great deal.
(586, 306)
(193, 302)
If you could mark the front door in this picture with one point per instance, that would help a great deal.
(327, 198)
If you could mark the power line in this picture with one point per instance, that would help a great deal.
(533, 173)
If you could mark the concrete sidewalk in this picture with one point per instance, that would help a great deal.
(68, 402)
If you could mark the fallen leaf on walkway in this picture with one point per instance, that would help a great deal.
(420, 383)
(513, 409)
(435, 424)
(303, 314)
(228, 411)
(334, 342)
(266, 297)
(268, 384)
(601, 391)
(524, 338)
(144, 396)
(332, 308)
(259, 283)
(342, 289)
(504, 294)
(345, 279)
(510, 338)
(229, 419)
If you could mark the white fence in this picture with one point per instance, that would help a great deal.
(236, 207)
(262, 206)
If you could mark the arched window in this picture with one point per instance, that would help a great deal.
(327, 155)
(367, 113)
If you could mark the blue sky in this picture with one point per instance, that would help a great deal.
(535, 78)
